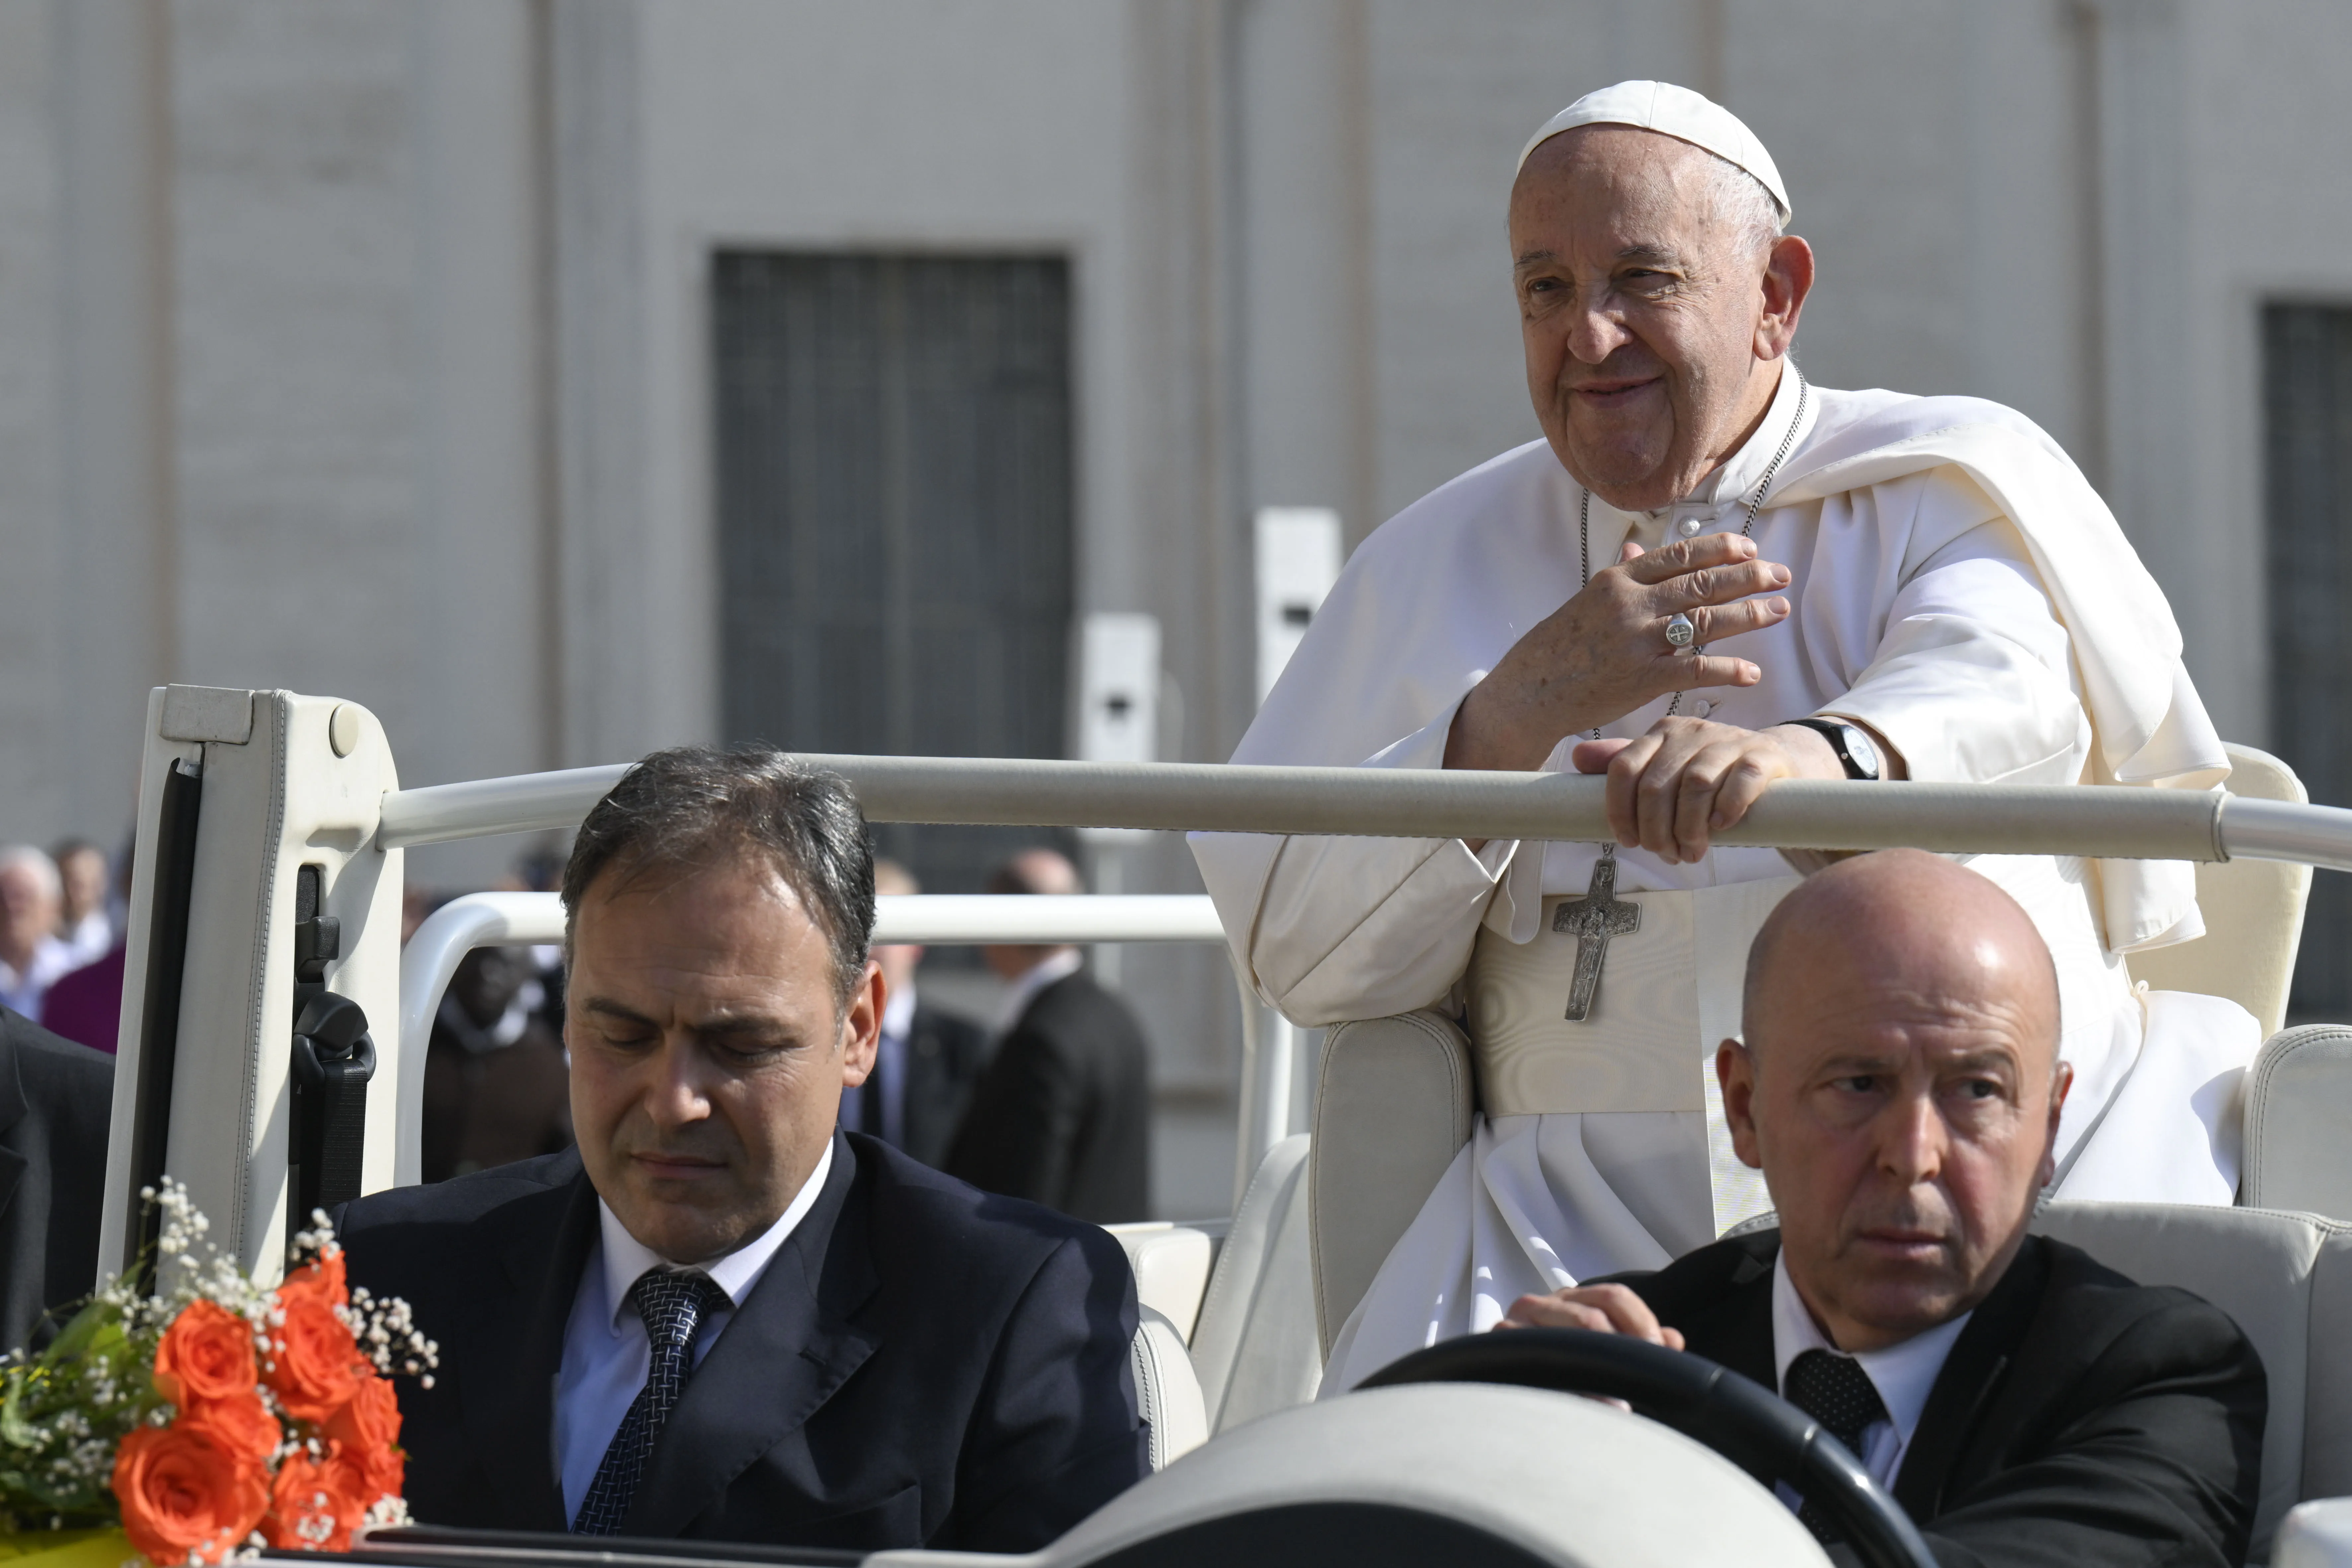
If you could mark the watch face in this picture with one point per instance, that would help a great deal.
(1858, 747)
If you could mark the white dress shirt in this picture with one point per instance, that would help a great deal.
(52, 961)
(606, 1355)
(91, 937)
(1903, 1374)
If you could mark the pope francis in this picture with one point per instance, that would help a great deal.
(1708, 574)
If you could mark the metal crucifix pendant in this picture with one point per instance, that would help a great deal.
(1594, 918)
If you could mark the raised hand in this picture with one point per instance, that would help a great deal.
(1605, 653)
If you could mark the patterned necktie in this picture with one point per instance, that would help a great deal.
(1834, 1391)
(673, 1305)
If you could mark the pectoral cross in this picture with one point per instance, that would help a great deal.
(1594, 918)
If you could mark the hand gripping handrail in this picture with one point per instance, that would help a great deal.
(2105, 821)
(513, 919)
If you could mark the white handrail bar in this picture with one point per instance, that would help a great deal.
(2110, 822)
(427, 965)
(513, 919)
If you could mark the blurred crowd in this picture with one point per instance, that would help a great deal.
(61, 929)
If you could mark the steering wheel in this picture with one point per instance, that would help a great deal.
(1756, 1429)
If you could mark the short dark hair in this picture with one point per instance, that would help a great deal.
(691, 808)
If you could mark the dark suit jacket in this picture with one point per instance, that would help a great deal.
(56, 1100)
(1063, 1115)
(2080, 1419)
(920, 1365)
(945, 1056)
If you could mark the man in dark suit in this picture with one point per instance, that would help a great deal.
(56, 1100)
(925, 1061)
(720, 1317)
(1062, 1114)
(1900, 1088)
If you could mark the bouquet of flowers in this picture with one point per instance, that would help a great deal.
(215, 1413)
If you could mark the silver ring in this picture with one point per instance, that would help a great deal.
(1680, 632)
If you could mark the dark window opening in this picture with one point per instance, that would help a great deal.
(2307, 395)
(895, 482)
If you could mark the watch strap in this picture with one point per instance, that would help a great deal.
(1833, 730)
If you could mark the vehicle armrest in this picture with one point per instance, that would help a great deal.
(1167, 1392)
(1171, 1264)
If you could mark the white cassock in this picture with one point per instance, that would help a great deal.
(1959, 588)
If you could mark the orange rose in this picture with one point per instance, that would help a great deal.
(184, 1492)
(241, 1425)
(315, 1365)
(315, 1505)
(322, 1277)
(368, 1429)
(206, 1353)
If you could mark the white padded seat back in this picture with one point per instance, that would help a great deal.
(2272, 1274)
(2253, 913)
(2327, 1419)
(1391, 1111)
(1171, 1264)
(2298, 1106)
(1168, 1395)
(1254, 1348)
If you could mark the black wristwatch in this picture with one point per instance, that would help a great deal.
(1850, 743)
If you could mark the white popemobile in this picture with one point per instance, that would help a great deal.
(271, 1056)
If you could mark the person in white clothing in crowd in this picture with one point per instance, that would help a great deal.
(32, 957)
(1707, 576)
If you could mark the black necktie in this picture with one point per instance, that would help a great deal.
(673, 1306)
(1834, 1391)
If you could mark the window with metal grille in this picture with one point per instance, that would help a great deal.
(2307, 395)
(895, 479)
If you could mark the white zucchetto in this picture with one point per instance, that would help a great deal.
(1674, 111)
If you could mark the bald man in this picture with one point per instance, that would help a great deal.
(1900, 1088)
(1062, 1115)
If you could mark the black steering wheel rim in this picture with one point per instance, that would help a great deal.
(1748, 1424)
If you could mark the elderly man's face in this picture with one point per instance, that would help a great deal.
(84, 874)
(1898, 1094)
(29, 911)
(709, 1051)
(1650, 325)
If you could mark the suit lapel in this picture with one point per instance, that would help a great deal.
(1964, 1386)
(784, 1354)
(1727, 1318)
(509, 1388)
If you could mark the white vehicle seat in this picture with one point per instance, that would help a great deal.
(1391, 1111)
(2286, 1280)
(1254, 1348)
(1167, 1394)
(2297, 1096)
(1171, 1264)
(2253, 913)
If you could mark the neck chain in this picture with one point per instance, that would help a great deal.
(1747, 531)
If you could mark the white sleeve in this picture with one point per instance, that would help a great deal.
(1342, 928)
(1973, 679)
